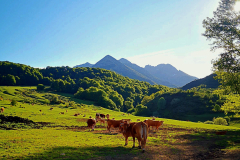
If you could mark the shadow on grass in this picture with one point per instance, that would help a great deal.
(76, 153)
(213, 142)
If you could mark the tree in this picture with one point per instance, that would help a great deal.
(40, 87)
(10, 80)
(14, 102)
(161, 103)
(224, 30)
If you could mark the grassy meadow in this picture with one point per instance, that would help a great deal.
(43, 133)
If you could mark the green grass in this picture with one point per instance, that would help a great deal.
(66, 136)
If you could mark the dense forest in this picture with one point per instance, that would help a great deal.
(113, 91)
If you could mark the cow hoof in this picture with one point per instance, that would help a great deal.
(139, 147)
(143, 151)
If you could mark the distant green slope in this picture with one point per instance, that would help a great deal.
(209, 81)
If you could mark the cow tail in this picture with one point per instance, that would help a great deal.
(144, 128)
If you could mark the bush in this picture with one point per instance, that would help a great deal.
(14, 102)
(40, 87)
(131, 110)
(220, 121)
(208, 122)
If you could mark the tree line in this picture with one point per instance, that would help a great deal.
(113, 91)
(106, 88)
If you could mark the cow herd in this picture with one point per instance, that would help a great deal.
(137, 130)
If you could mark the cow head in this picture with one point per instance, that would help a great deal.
(123, 127)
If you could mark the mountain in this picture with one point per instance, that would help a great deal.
(164, 74)
(167, 72)
(84, 65)
(110, 63)
(145, 72)
(209, 81)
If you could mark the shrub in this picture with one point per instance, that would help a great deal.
(208, 122)
(220, 121)
(14, 102)
(131, 110)
(40, 87)
(54, 99)
(161, 103)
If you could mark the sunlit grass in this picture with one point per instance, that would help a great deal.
(67, 137)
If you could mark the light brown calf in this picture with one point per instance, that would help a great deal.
(102, 121)
(153, 123)
(113, 123)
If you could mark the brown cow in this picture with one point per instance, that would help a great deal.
(136, 130)
(128, 120)
(102, 115)
(113, 123)
(2, 110)
(153, 123)
(107, 116)
(91, 123)
(102, 121)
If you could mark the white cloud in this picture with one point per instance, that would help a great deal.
(196, 63)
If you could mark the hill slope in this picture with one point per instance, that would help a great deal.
(209, 81)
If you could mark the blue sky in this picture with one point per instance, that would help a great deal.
(71, 32)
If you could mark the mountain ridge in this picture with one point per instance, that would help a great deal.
(164, 74)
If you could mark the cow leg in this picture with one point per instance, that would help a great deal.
(126, 141)
(108, 128)
(139, 143)
(143, 143)
(133, 142)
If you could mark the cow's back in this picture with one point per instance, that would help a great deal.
(114, 123)
(140, 130)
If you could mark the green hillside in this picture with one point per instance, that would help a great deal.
(208, 82)
(113, 91)
(30, 130)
